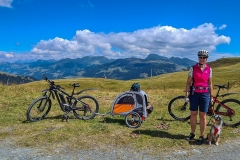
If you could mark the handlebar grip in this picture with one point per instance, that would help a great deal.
(44, 77)
(49, 81)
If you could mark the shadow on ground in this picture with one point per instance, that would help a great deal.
(114, 120)
(160, 134)
(58, 117)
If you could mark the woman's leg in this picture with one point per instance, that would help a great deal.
(194, 99)
(204, 104)
(193, 121)
(203, 123)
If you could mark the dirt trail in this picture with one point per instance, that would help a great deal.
(226, 150)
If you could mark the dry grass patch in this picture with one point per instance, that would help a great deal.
(159, 131)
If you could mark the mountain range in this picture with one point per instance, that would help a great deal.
(98, 67)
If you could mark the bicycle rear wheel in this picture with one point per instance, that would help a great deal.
(179, 109)
(38, 109)
(229, 118)
(86, 107)
(133, 120)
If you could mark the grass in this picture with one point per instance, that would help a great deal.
(159, 131)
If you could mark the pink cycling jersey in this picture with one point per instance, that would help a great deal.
(201, 79)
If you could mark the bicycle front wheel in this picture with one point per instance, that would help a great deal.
(179, 109)
(86, 107)
(38, 109)
(230, 117)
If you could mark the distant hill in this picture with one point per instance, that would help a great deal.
(54, 69)
(99, 67)
(7, 79)
(224, 62)
(133, 68)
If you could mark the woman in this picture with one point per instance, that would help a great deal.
(200, 80)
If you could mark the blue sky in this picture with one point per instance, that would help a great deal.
(56, 29)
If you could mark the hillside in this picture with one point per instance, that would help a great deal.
(229, 71)
(8, 79)
(222, 74)
(157, 134)
(99, 67)
(224, 62)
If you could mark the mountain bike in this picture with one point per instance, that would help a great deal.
(229, 109)
(84, 107)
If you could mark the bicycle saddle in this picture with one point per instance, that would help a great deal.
(220, 86)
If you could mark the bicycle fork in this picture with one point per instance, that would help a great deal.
(42, 107)
(184, 107)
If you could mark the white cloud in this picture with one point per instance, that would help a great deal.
(5, 56)
(6, 3)
(163, 40)
(222, 27)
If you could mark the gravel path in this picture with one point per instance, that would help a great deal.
(226, 150)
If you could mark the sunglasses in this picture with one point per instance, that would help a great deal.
(202, 57)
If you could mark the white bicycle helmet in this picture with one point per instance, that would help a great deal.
(203, 53)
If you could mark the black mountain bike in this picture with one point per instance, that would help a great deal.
(229, 109)
(84, 107)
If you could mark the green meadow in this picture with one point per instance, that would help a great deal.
(158, 131)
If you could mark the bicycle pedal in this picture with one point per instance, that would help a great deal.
(67, 120)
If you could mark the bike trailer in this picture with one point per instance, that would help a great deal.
(133, 105)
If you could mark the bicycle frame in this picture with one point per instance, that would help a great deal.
(228, 108)
(57, 91)
(83, 107)
(229, 112)
(53, 92)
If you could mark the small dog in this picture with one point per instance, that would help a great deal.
(215, 130)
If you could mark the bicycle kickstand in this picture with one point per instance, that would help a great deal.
(65, 117)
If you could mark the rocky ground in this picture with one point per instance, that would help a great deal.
(225, 150)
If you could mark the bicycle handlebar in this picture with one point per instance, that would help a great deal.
(52, 83)
(46, 79)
